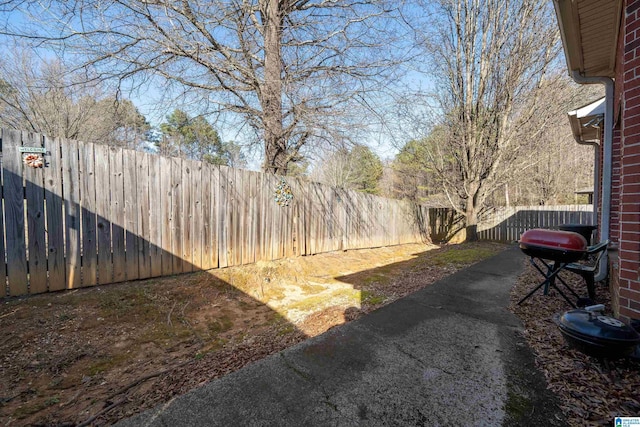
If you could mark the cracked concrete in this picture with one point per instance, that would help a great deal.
(450, 354)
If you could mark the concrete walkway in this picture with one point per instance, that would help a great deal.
(450, 354)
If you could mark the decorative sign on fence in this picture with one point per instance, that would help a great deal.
(39, 150)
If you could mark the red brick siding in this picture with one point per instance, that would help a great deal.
(629, 169)
(614, 219)
(614, 282)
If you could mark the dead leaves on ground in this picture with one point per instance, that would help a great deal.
(592, 391)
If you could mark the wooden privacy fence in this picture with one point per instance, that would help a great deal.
(507, 224)
(96, 214)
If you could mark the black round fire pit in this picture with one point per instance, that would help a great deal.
(597, 335)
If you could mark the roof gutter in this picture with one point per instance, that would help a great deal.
(607, 142)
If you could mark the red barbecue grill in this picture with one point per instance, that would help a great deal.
(555, 250)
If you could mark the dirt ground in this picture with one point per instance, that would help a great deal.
(93, 356)
(592, 391)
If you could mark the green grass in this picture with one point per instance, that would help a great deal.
(517, 406)
(106, 362)
(26, 410)
(378, 277)
(371, 298)
(219, 325)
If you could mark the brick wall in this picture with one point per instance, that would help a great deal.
(614, 220)
(629, 203)
(616, 186)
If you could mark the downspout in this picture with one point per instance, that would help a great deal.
(596, 177)
(596, 181)
(607, 141)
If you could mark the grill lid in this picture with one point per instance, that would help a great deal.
(554, 239)
(598, 327)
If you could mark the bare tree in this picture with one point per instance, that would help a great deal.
(489, 59)
(292, 69)
(357, 168)
(556, 167)
(42, 96)
(546, 164)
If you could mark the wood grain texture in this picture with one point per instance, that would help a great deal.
(103, 214)
(197, 240)
(117, 214)
(86, 170)
(207, 216)
(215, 212)
(155, 216)
(55, 222)
(223, 215)
(4, 288)
(71, 194)
(177, 187)
(187, 215)
(141, 206)
(134, 188)
(14, 212)
(36, 240)
(166, 196)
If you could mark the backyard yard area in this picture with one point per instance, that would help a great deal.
(96, 355)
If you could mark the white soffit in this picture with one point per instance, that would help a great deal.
(589, 31)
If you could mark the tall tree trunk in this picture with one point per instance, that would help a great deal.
(506, 195)
(275, 151)
(471, 220)
(473, 204)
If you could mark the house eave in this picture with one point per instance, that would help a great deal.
(589, 32)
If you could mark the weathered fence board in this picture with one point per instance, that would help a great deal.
(197, 226)
(223, 213)
(3, 265)
(55, 223)
(14, 212)
(103, 212)
(88, 198)
(215, 216)
(154, 207)
(36, 245)
(166, 192)
(206, 200)
(143, 215)
(176, 204)
(235, 186)
(71, 194)
(117, 216)
(187, 216)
